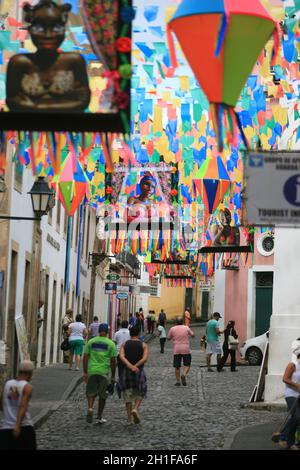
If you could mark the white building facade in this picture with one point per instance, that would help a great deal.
(57, 290)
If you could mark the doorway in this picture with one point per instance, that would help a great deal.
(204, 305)
(12, 340)
(53, 318)
(263, 302)
(45, 322)
(189, 298)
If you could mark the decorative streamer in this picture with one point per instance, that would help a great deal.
(32, 152)
(80, 215)
(171, 46)
(107, 156)
(2, 152)
(51, 152)
(222, 34)
(234, 124)
(72, 149)
(68, 251)
(276, 47)
(242, 131)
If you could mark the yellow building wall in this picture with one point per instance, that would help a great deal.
(171, 300)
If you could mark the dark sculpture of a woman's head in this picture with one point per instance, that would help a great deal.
(47, 22)
(47, 80)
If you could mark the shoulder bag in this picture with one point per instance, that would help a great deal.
(232, 342)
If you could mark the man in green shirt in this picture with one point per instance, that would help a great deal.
(99, 359)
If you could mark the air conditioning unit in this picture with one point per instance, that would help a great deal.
(266, 244)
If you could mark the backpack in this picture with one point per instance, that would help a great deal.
(65, 346)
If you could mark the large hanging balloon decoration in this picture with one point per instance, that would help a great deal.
(222, 40)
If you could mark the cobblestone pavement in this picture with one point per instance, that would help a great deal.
(199, 416)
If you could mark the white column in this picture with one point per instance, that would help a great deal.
(285, 321)
(218, 294)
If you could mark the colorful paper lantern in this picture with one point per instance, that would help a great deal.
(72, 186)
(212, 182)
(222, 41)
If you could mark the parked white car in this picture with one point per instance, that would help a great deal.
(252, 350)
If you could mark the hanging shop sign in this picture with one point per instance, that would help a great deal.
(122, 288)
(122, 295)
(272, 188)
(110, 288)
(204, 286)
(113, 277)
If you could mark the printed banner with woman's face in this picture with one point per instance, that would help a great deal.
(222, 235)
(59, 60)
(142, 194)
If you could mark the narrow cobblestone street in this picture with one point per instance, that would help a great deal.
(199, 416)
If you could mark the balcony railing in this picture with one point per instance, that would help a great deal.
(130, 262)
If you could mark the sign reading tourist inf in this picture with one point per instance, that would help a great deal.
(272, 188)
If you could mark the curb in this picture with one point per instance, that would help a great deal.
(43, 415)
(255, 406)
(230, 439)
(262, 406)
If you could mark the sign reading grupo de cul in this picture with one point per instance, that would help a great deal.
(272, 188)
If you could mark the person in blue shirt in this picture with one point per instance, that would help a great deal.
(132, 320)
(213, 333)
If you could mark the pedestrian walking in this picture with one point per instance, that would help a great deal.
(16, 429)
(133, 382)
(162, 336)
(213, 343)
(148, 319)
(121, 337)
(132, 320)
(119, 321)
(142, 318)
(94, 328)
(67, 320)
(180, 335)
(229, 349)
(138, 321)
(77, 334)
(98, 361)
(291, 378)
(152, 321)
(162, 318)
(187, 316)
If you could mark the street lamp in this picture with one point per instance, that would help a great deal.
(42, 198)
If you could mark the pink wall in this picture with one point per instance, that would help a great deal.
(236, 292)
(236, 300)
(260, 259)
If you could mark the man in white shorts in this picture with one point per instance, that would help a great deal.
(213, 343)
